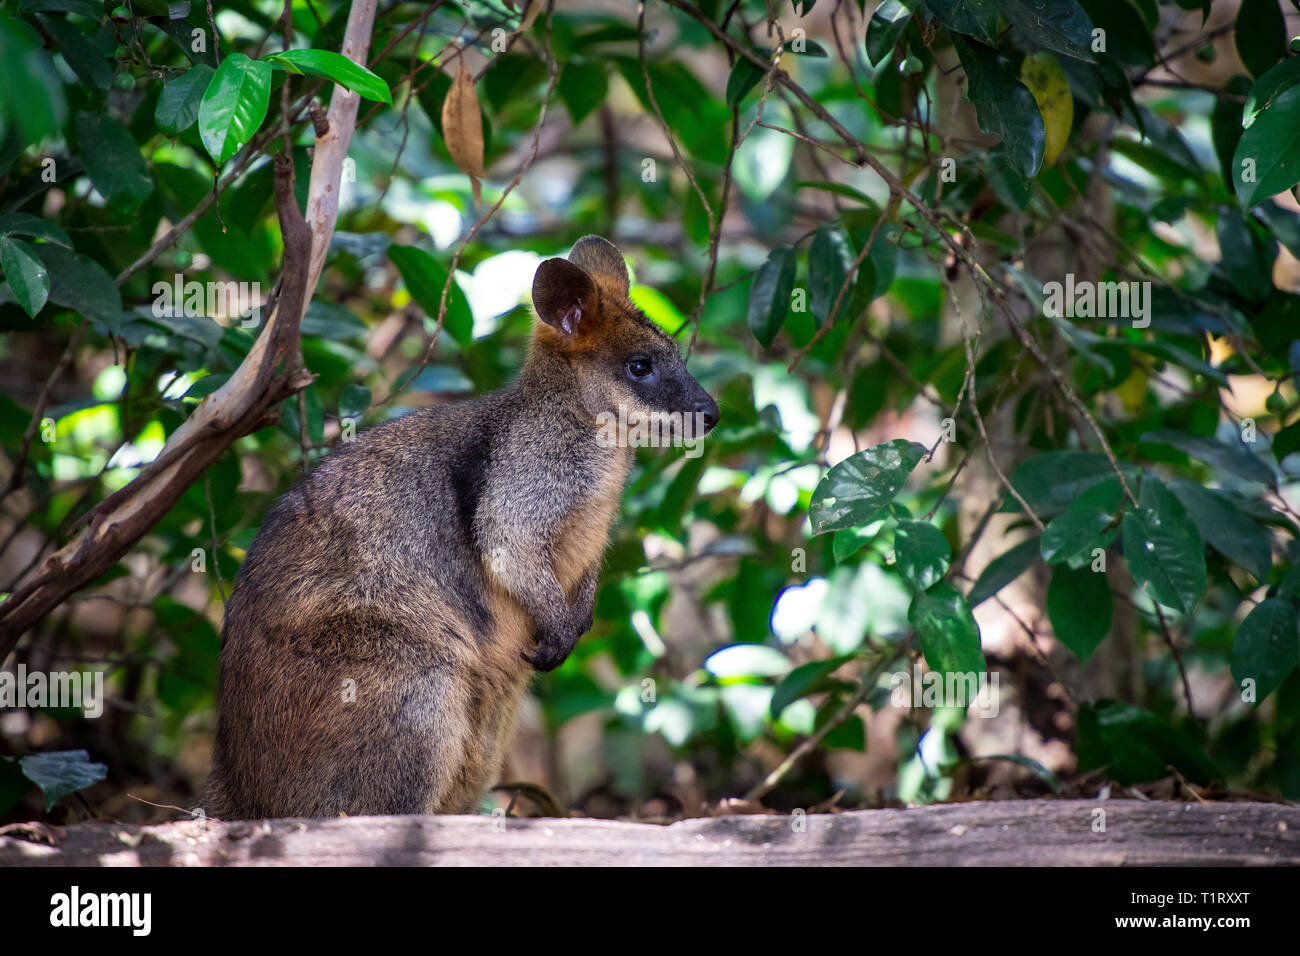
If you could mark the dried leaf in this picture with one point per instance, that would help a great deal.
(737, 806)
(462, 127)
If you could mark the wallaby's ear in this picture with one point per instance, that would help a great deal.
(600, 257)
(564, 295)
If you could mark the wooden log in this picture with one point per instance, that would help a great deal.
(1003, 833)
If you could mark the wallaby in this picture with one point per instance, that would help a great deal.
(392, 608)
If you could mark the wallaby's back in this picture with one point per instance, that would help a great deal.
(359, 649)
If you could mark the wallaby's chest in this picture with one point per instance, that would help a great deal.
(582, 538)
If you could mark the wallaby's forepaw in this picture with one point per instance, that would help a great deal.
(553, 648)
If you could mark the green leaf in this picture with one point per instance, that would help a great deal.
(839, 189)
(583, 87)
(575, 694)
(1202, 5)
(1240, 259)
(79, 52)
(1116, 92)
(829, 260)
(1137, 745)
(1266, 647)
(189, 679)
(746, 660)
(1004, 107)
(847, 542)
(843, 614)
(1172, 353)
(1163, 549)
(1168, 146)
(1287, 441)
(950, 639)
(1260, 34)
(1049, 482)
(695, 117)
(1030, 764)
(810, 48)
(87, 8)
(1226, 122)
(744, 76)
(332, 66)
(1271, 147)
(1261, 94)
(13, 785)
(876, 273)
(1106, 494)
(1061, 26)
(1079, 605)
(1235, 457)
(515, 79)
(292, 424)
(1128, 38)
(329, 320)
(179, 101)
(887, 24)
(113, 160)
(24, 224)
(679, 494)
(1072, 537)
(859, 488)
(850, 735)
(972, 18)
(234, 105)
(1002, 570)
(921, 552)
(1284, 224)
(27, 276)
(80, 283)
(1226, 528)
(425, 277)
(31, 95)
(804, 680)
(354, 402)
(61, 773)
(769, 296)
(1289, 586)
(1274, 326)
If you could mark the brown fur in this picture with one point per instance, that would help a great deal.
(396, 601)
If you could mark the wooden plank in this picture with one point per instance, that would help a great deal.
(1004, 833)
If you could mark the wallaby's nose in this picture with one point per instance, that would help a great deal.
(708, 409)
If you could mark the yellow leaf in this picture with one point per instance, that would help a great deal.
(1042, 73)
(1133, 390)
(462, 127)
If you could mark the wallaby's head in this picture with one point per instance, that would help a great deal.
(625, 365)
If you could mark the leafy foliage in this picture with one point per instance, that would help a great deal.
(1000, 310)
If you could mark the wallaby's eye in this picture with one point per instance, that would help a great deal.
(639, 367)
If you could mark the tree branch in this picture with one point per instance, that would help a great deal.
(243, 404)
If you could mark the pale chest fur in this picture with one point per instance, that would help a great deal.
(584, 535)
(578, 545)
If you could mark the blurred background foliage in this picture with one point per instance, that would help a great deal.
(855, 240)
